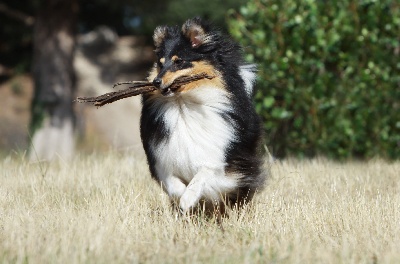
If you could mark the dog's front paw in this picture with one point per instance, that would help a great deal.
(189, 199)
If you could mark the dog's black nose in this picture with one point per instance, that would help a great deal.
(157, 82)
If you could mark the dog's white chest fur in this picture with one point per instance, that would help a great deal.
(198, 133)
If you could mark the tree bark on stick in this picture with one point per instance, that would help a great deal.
(52, 115)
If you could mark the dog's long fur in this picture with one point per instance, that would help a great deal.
(203, 140)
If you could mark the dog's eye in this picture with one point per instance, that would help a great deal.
(178, 61)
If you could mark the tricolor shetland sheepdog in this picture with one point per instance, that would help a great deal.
(203, 141)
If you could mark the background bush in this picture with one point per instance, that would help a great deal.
(329, 81)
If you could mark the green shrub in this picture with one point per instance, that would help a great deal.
(329, 81)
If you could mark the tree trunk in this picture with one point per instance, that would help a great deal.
(53, 120)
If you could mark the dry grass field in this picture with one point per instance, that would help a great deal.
(107, 209)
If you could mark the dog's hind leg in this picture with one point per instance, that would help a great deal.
(208, 183)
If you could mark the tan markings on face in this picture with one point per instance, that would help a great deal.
(203, 67)
(174, 58)
(169, 77)
(162, 60)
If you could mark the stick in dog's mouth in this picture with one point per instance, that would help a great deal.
(139, 87)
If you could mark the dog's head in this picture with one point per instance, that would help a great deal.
(189, 50)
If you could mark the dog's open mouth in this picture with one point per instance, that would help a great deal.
(168, 91)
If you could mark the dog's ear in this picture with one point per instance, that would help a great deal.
(195, 30)
(159, 35)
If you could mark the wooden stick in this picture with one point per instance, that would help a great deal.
(136, 83)
(115, 96)
(138, 87)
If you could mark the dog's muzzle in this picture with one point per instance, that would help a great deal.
(165, 91)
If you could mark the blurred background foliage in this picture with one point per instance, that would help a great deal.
(329, 81)
(329, 74)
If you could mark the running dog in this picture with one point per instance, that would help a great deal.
(203, 140)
